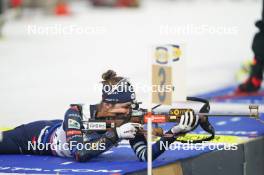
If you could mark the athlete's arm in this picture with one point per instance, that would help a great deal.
(139, 144)
(84, 150)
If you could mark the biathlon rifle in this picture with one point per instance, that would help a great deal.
(140, 115)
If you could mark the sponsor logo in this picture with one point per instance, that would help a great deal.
(235, 133)
(176, 53)
(169, 52)
(73, 124)
(74, 115)
(155, 118)
(161, 55)
(73, 132)
(75, 171)
(217, 139)
(96, 126)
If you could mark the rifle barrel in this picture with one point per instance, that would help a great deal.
(228, 114)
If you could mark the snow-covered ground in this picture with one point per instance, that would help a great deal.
(40, 75)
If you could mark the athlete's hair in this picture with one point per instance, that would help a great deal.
(110, 78)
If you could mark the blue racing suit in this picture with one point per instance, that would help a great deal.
(65, 138)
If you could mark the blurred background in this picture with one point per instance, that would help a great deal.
(53, 52)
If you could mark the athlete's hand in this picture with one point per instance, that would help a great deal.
(128, 130)
(188, 121)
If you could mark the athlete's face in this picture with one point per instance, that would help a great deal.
(117, 109)
(121, 109)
